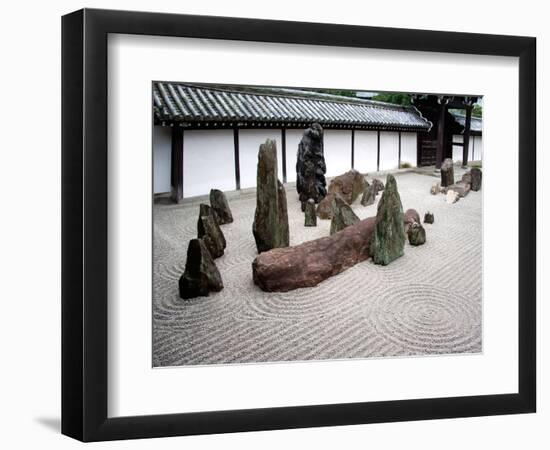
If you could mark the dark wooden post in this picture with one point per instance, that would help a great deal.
(176, 171)
(466, 140)
(399, 155)
(237, 164)
(283, 152)
(440, 137)
(378, 151)
(352, 149)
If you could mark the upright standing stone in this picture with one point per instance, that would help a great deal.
(378, 185)
(349, 185)
(210, 232)
(270, 225)
(369, 196)
(388, 239)
(447, 173)
(343, 216)
(310, 216)
(219, 204)
(475, 174)
(311, 167)
(201, 275)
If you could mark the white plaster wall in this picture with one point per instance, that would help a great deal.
(477, 148)
(366, 147)
(457, 149)
(408, 148)
(389, 150)
(162, 154)
(208, 161)
(293, 138)
(337, 148)
(249, 144)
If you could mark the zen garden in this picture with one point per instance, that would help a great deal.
(309, 264)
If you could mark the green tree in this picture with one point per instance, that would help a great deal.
(395, 98)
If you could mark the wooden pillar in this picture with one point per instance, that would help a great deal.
(176, 170)
(378, 151)
(283, 152)
(352, 149)
(399, 155)
(236, 153)
(440, 137)
(466, 140)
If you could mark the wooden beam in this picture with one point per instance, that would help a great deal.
(176, 169)
(378, 151)
(283, 152)
(236, 153)
(440, 137)
(467, 127)
(352, 149)
(399, 155)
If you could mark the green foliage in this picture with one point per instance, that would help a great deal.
(405, 165)
(477, 110)
(395, 98)
(343, 93)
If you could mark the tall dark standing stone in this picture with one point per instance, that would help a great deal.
(388, 239)
(210, 232)
(201, 275)
(270, 225)
(311, 167)
(447, 173)
(310, 216)
(475, 174)
(343, 216)
(219, 204)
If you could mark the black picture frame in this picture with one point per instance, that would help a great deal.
(84, 224)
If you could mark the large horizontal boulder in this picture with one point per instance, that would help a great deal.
(201, 275)
(307, 264)
(349, 185)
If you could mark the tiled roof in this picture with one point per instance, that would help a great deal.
(476, 123)
(196, 105)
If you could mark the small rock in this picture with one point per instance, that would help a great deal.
(378, 185)
(416, 234)
(476, 175)
(201, 275)
(428, 217)
(310, 214)
(343, 216)
(447, 173)
(452, 196)
(436, 188)
(388, 239)
(219, 204)
(210, 232)
(369, 196)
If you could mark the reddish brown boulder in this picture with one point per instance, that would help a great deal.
(411, 216)
(324, 208)
(307, 264)
(349, 185)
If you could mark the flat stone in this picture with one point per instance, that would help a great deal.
(461, 188)
(201, 275)
(220, 205)
(307, 264)
(451, 196)
(310, 216)
(210, 232)
(349, 185)
(270, 227)
(428, 217)
(447, 173)
(343, 216)
(476, 175)
(310, 166)
(416, 234)
(388, 239)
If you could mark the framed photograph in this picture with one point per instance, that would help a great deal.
(273, 225)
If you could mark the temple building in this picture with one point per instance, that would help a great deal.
(207, 136)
